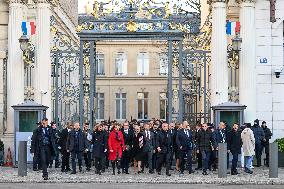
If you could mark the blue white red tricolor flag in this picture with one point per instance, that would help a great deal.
(28, 28)
(232, 28)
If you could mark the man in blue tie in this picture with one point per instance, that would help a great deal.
(184, 142)
(44, 144)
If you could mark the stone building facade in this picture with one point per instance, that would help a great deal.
(13, 91)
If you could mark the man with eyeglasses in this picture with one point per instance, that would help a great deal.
(205, 144)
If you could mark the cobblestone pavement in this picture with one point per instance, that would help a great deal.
(128, 186)
(260, 177)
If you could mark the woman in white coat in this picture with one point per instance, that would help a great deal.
(248, 147)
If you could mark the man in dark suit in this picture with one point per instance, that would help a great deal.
(76, 145)
(234, 146)
(99, 141)
(265, 142)
(44, 142)
(184, 142)
(164, 146)
(126, 154)
(205, 142)
(149, 146)
(87, 154)
(154, 156)
(62, 144)
(198, 155)
(36, 157)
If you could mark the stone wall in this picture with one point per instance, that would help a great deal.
(3, 47)
(71, 9)
(269, 45)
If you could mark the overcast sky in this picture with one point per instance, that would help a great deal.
(82, 3)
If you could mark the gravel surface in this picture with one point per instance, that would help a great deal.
(259, 177)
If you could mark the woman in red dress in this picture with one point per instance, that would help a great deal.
(116, 146)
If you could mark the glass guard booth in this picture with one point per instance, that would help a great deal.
(229, 112)
(26, 117)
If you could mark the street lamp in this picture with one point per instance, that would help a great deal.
(24, 43)
(236, 43)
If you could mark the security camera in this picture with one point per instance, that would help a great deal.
(278, 71)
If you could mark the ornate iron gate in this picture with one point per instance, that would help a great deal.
(70, 90)
(65, 77)
(197, 93)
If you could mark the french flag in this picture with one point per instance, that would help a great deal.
(232, 28)
(28, 28)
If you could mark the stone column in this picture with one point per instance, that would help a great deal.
(15, 65)
(219, 66)
(42, 77)
(247, 81)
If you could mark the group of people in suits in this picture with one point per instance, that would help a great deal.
(151, 145)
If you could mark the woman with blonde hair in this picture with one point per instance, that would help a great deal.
(138, 144)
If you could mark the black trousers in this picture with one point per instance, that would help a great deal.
(163, 158)
(36, 161)
(185, 160)
(199, 160)
(88, 159)
(45, 153)
(148, 161)
(74, 155)
(125, 160)
(65, 160)
(266, 150)
(213, 160)
(258, 152)
(234, 161)
(154, 161)
(99, 161)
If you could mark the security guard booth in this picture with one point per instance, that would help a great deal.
(26, 118)
(229, 112)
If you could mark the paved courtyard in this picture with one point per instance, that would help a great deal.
(128, 186)
(260, 177)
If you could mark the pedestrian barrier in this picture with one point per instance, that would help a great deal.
(22, 157)
(222, 160)
(273, 160)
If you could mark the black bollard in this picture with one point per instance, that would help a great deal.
(22, 159)
(222, 160)
(273, 160)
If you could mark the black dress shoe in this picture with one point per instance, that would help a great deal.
(204, 173)
(234, 173)
(45, 178)
(191, 171)
(151, 172)
(159, 173)
(118, 172)
(126, 172)
(88, 169)
(73, 172)
(168, 174)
